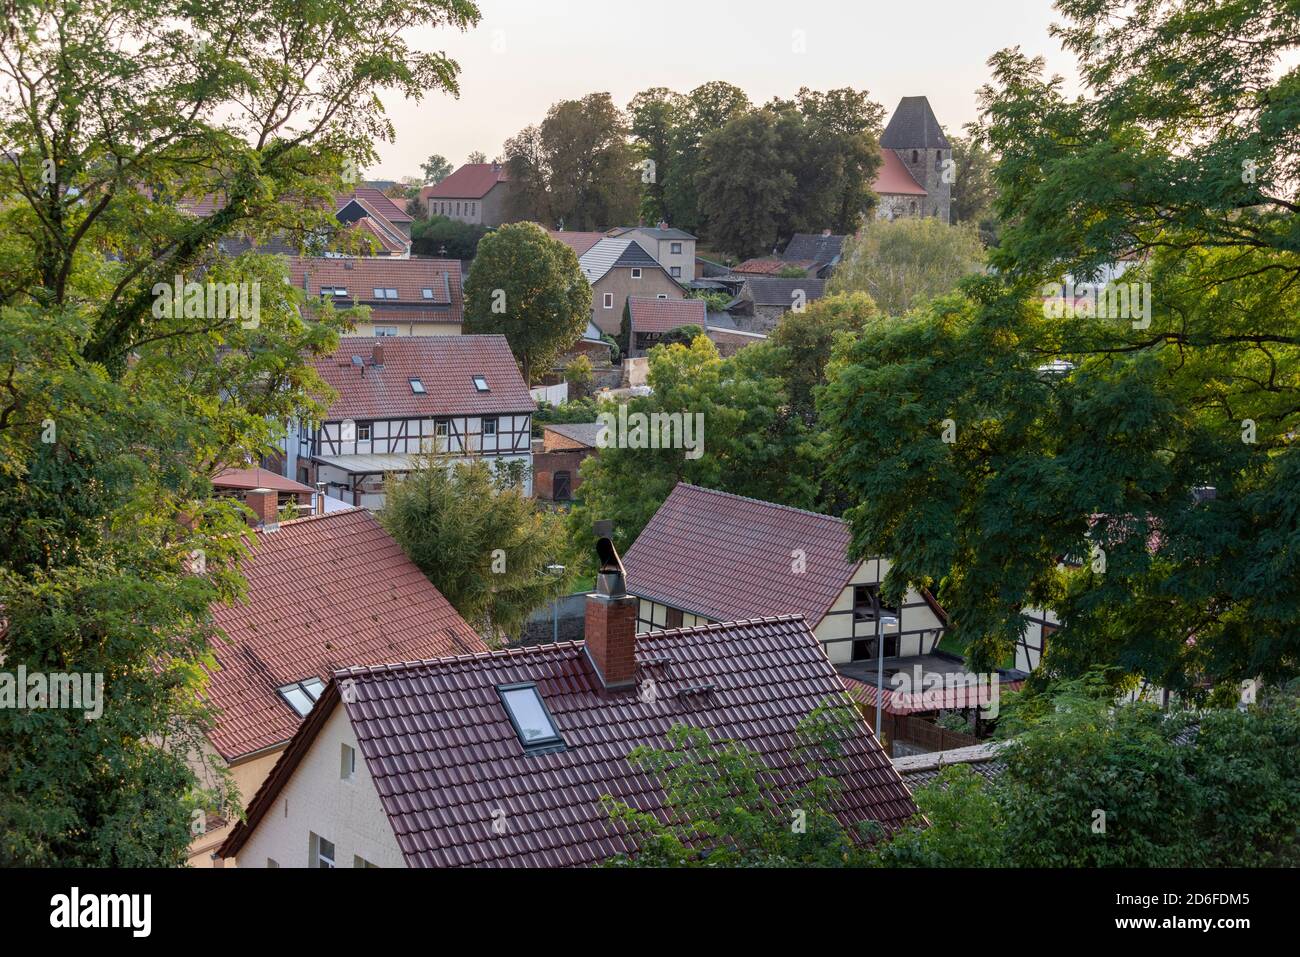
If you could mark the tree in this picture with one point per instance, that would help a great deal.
(707, 108)
(654, 116)
(1188, 384)
(115, 409)
(480, 540)
(973, 191)
(961, 824)
(901, 263)
(476, 157)
(724, 810)
(752, 445)
(446, 237)
(528, 287)
(576, 168)
(744, 184)
(436, 169)
(804, 341)
(578, 374)
(836, 155)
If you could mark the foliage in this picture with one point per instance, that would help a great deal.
(725, 809)
(576, 168)
(653, 119)
(745, 183)
(479, 540)
(578, 373)
(1106, 458)
(681, 335)
(476, 157)
(961, 824)
(706, 108)
(113, 416)
(582, 409)
(713, 301)
(446, 238)
(973, 190)
(904, 262)
(528, 287)
(752, 444)
(435, 169)
(803, 342)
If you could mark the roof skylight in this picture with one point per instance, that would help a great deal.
(480, 383)
(417, 386)
(301, 695)
(529, 716)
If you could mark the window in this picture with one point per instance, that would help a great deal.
(675, 248)
(320, 853)
(379, 294)
(938, 158)
(528, 714)
(426, 293)
(358, 861)
(636, 273)
(363, 431)
(347, 763)
(458, 209)
(440, 429)
(864, 649)
(489, 426)
(677, 272)
(480, 384)
(385, 293)
(673, 619)
(608, 301)
(915, 156)
(383, 331)
(416, 386)
(662, 295)
(866, 603)
(301, 695)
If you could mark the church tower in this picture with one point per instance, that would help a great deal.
(914, 136)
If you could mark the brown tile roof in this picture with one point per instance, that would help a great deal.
(904, 702)
(895, 179)
(771, 266)
(471, 181)
(577, 241)
(324, 593)
(664, 315)
(724, 556)
(444, 756)
(445, 365)
(376, 200)
(383, 233)
(257, 478)
(361, 276)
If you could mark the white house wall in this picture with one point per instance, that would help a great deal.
(317, 800)
(918, 628)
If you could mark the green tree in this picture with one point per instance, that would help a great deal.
(1191, 385)
(446, 237)
(436, 169)
(745, 183)
(528, 287)
(476, 157)
(961, 824)
(804, 341)
(836, 153)
(752, 444)
(901, 263)
(576, 168)
(480, 540)
(973, 190)
(115, 409)
(578, 373)
(708, 107)
(724, 810)
(653, 116)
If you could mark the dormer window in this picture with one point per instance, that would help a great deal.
(530, 718)
(480, 384)
(416, 386)
(301, 695)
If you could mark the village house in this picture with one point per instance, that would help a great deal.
(763, 300)
(501, 759)
(916, 174)
(477, 193)
(406, 297)
(710, 556)
(564, 447)
(674, 249)
(266, 493)
(457, 396)
(324, 592)
(618, 268)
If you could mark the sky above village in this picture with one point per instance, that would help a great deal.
(527, 54)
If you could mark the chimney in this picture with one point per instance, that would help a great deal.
(320, 498)
(663, 224)
(265, 503)
(377, 354)
(826, 232)
(611, 621)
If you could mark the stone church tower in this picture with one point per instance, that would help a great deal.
(914, 136)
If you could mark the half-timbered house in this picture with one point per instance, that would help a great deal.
(458, 396)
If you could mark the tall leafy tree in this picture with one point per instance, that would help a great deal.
(653, 117)
(708, 107)
(485, 545)
(528, 287)
(114, 411)
(837, 154)
(435, 168)
(745, 182)
(901, 263)
(1181, 162)
(973, 190)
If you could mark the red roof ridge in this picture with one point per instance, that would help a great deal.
(728, 625)
(303, 520)
(359, 670)
(759, 501)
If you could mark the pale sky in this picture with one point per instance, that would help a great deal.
(527, 54)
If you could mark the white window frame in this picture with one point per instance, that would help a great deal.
(347, 763)
(636, 272)
(608, 301)
(675, 248)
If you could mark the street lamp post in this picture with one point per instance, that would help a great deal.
(880, 666)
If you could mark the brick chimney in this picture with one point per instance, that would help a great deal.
(265, 503)
(377, 354)
(611, 622)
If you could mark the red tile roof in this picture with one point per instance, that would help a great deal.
(664, 315)
(901, 702)
(770, 267)
(446, 365)
(471, 181)
(377, 201)
(324, 593)
(894, 178)
(444, 756)
(579, 242)
(361, 276)
(257, 478)
(724, 556)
